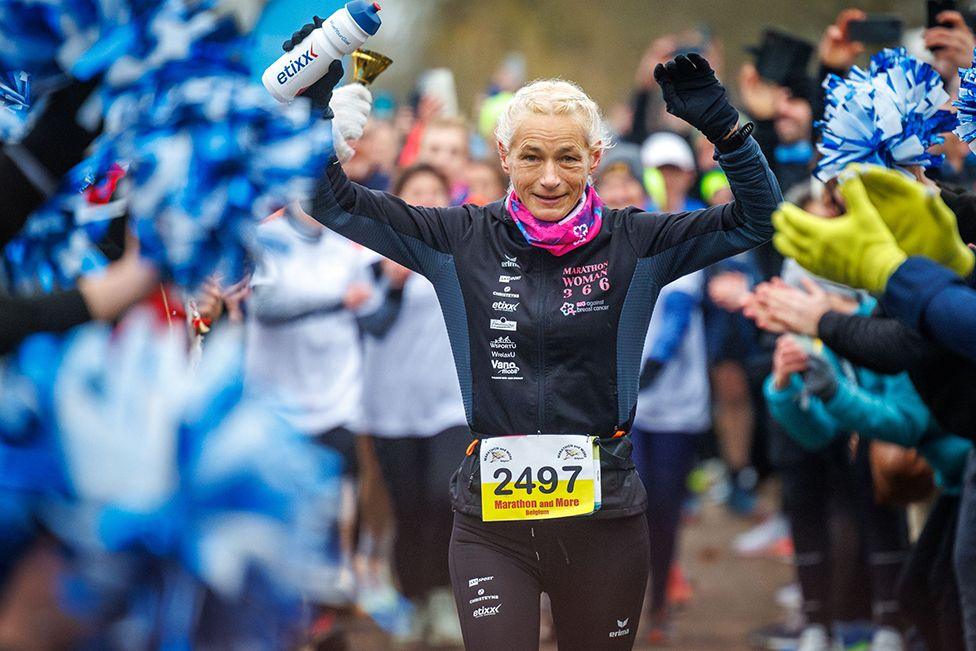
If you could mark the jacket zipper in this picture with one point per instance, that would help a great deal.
(541, 343)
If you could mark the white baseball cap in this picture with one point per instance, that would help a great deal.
(666, 148)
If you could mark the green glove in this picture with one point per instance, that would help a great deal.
(855, 249)
(918, 218)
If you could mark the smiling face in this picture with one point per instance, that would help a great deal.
(549, 162)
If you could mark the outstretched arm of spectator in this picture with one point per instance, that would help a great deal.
(804, 419)
(103, 297)
(897, 415)
(935, 302)
(658, 52)
(389, 280)
(881, 344)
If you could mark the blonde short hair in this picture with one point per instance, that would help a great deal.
(553, 97)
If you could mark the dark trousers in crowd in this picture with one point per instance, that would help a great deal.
(343, 441)
(928, 592)
(663, 461)
(808, 488)
(965, 554)
(417, 472)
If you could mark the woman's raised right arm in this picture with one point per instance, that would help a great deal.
(418, 238)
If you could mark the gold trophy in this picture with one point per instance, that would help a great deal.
(367, 66)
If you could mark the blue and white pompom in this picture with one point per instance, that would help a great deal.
(889, 114)
(209, 158)
(966, 106)
(209, 152)
(123, 450)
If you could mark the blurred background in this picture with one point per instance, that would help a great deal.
(595, 44)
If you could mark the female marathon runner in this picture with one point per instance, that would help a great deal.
(547, 297)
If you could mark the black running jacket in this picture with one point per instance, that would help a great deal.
(547, 344)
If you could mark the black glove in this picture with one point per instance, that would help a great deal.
(692, 93)
(321, 91)
(649, 374)
(820, 379)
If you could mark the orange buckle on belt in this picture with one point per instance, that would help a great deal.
(618, 434)
(471, 448)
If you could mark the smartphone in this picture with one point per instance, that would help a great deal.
(936, 7)
(876, 29)
(439, 83)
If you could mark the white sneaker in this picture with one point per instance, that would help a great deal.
(814, 638)
(761, 537)
(444, 624)
(887, 639)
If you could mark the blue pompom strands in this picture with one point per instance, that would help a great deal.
(77, 37)
(59, 242)
(164, 480)
(889, 114)
(966, 105)
(209, 153)
(151, 463)
(209, 158)
(15, 104)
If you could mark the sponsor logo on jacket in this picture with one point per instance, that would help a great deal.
(505, 368)
(506, 293)
(503, 324)
(504, 306)
(511, 262)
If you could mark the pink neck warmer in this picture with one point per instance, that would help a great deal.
(559, 238)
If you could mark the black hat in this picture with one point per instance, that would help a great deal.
(782, 58)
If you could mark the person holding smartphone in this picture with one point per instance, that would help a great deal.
(949, 38)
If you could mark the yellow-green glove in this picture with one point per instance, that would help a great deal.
(855, 249)
(918, 218)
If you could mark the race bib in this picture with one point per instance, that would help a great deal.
(539, 477)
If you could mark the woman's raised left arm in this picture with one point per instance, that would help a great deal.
(692, 240)
(688, 241)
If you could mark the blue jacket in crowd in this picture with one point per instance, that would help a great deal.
(936, 302)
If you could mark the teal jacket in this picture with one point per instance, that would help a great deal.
(883, 407)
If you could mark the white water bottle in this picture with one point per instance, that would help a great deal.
(342, 33)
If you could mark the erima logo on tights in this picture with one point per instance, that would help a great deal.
(292, 68)
(621, 631)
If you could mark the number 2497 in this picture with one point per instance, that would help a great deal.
(547, 476)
